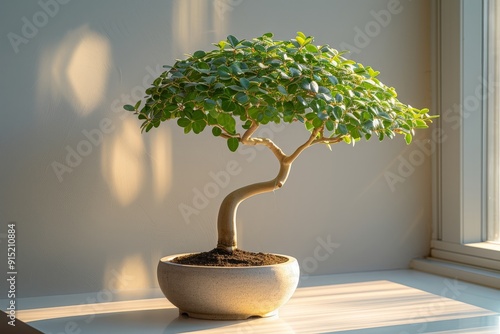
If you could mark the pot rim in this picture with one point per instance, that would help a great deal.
(167, 260)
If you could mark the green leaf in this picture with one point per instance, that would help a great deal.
(317, 122)
(224, 71)
(380, 135)
(199, 126)
(302, 101)
(237, 88)
(198, 115)
(260, 48)
(232, 144)
(352, 117)
(310, 116)
(157, 81)
(295, 72)
(282, 90)
(292, 88)
(241, 97)
(306, 84)
(232, 40)
(247, 44)
(315, 106)
(183, 122)
(274, 62)
(203, 66)
(236, 69)
(333, 79)
(201, 87)
(244, 83)
(212, 120)
(408, 138)
(324, 96)
(221, 45)
(209, 105)
(367, 126)
(389, 133)
(199, 54)
(342, 129)
(311, 48)
(314, 86)
(337, 112)
(216, 131)
(129, 107)
(228, 105)
(227, 122)
(301, 40)
(219, 59)
(329, 125)
(384, 115)
(421, 124)
(270, 111)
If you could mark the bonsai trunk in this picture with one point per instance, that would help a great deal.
(226, 222)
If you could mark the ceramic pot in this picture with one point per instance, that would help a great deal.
(208, 292)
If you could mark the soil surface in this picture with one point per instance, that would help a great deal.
(238, 258)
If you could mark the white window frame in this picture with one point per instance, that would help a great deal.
(461, 94)
(493, 135)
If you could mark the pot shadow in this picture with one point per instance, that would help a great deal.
(185, 324)
(163, 320)
(128, 322)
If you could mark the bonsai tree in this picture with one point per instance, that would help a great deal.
(242, 85)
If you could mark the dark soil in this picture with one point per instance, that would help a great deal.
(238, 258)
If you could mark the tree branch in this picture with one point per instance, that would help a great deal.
(226, 134)
(247, 139)
(251, 130)
(324, 140)
(302, 147)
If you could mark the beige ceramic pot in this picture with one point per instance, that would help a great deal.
(228, 292)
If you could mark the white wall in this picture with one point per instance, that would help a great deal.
(108, 217)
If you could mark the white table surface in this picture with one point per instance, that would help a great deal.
(396, 301)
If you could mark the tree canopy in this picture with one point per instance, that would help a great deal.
(245, 83)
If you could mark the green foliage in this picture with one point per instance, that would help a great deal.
(245, 82)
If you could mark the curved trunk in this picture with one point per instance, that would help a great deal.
(226, 221)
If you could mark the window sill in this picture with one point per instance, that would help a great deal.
(457, 270)
(484, 255)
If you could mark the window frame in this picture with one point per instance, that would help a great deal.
(493, 123)
(461, 91)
